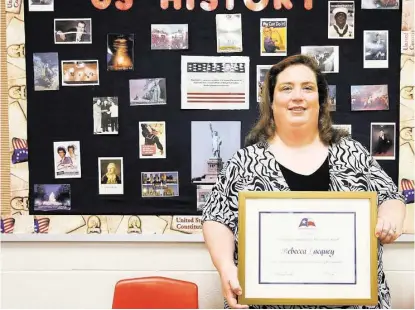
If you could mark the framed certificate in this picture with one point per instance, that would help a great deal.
(307, 248)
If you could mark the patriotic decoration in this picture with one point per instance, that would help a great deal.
(216, 67)
(41, 225)
(408, 190)
(20, 150)
(307, 222)
(7, 225)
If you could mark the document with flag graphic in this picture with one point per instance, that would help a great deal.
(303, 248)
(215, 82)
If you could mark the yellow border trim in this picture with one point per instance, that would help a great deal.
(244, 195)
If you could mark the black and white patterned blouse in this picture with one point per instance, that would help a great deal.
(255, 168)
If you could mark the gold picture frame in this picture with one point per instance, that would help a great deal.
(253, 206)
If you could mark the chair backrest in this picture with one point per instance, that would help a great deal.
(155, 293)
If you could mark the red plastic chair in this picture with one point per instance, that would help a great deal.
(155, 293)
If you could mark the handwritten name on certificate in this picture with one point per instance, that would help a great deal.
(307, 248)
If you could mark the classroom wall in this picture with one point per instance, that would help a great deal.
(82, 275)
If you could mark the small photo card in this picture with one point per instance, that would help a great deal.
(369, 97)
(383, 141)
(120, 52)
(148, 92)
(273, 36)
(345, 127)
(73, 30)
(152, 140)
(159, 184)
(327, 57)
(46, 71)
(111, 176)
(228, 33)
(202, 193)
(332, 97)
(376, 49)
(341, 19)
(67, 156)
(261, 71)
(39, 5)
(52, 197)
(105, 114)
(80, 72)
(382, 4)
(169, 37)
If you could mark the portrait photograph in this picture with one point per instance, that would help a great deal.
(67, 157)
(40, 5)
(73, 31)
(376, 49)
(120, 52)
(383, 141)
(80, 72)
(105, 114)
(111, 175)
(369, 97)
(148, 91)
(327, 57)
(46, 71)
(341, 19)
(169, 37)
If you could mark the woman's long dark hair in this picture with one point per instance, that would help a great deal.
(264, 129)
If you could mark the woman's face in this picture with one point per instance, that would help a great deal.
(296, 101)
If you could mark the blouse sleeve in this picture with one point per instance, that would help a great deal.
(222, 204)
(381, 182)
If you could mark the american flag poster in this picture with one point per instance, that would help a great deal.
(215, 82)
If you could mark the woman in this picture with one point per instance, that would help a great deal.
(294, 127)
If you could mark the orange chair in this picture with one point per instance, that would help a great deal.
(155, 293)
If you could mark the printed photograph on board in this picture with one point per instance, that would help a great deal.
(261, 71)
(152, 140)
(105, 114)
(380, 4)
(169, 37)
(160, 184)
(327, 57)
(148, 91)
(80, 72)
(228, 33)
(345, 127)
(213, 143)
(120, 52)
(52, 197)
(67, 156)
(73, 31)
(202, 194)
(341, 19)
(369, 97)
(383, 141)
(40, 5)
(110, 175)
(46, 71)
(376, 49)
(273, 36)
(215, 82)
(332, 96)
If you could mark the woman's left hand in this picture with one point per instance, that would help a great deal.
(387, 231)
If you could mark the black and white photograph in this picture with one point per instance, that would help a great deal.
(345, 127)
(80, 72)
(380, 4)
(41, 5)
(169, 37)
(46, 71)
(67, 158)
(341, 19)
(376, 49)
(382, 141)
(202, 194)
(105, 113)
(261, 71)
(120, 52)
(213, 143)
(229, 33)
(327, 57)
(73, 31)
(148, 92)
(332, 97)
(110, 176)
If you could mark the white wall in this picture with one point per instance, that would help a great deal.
(82, 275)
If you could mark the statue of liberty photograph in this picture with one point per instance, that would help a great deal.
(216, 142)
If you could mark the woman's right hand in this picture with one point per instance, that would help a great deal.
(231, 287)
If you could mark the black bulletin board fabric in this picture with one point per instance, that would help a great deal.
(66, 114)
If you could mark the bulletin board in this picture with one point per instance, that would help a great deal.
(146, 141)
